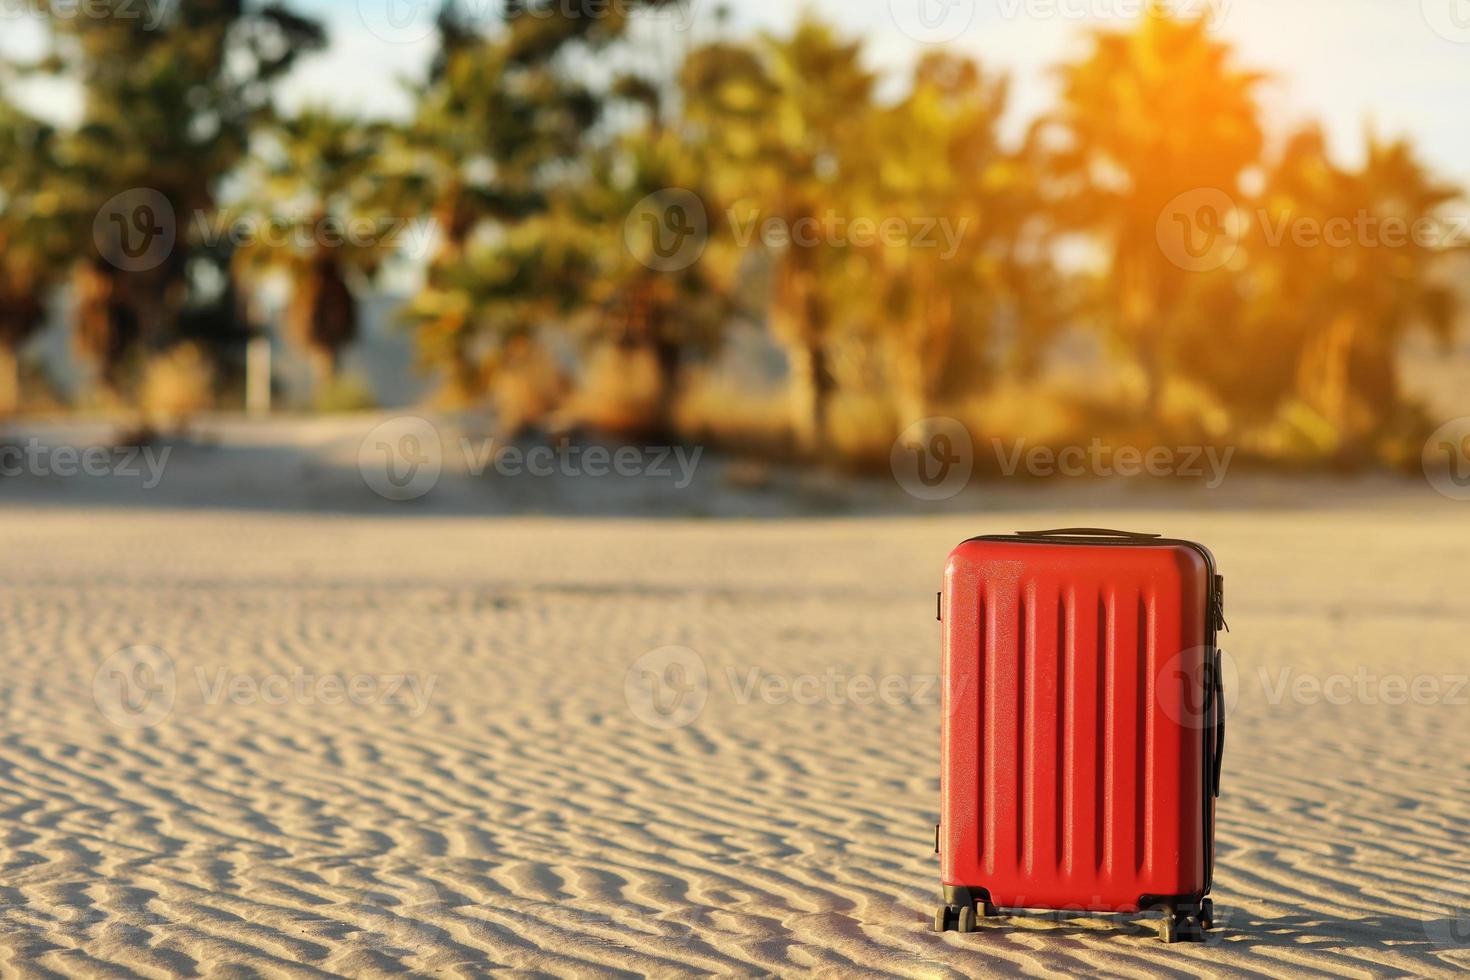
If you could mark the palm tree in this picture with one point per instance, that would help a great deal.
(1150, 115)
(495, 141)
(480, 312)
(670, 312)
(168, 107)
(977, 256)
(318, 204)
(782, 126)
(36, 236)
(1347, 291)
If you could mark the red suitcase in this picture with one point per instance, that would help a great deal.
(1082, 727)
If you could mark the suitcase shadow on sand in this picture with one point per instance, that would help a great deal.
(1080, 924)
(1426, 940)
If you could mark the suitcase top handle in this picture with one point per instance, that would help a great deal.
(1085, 532)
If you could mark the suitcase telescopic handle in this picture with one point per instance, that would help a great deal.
(1085, 532)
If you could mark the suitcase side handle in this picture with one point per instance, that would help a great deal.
(1219, 698)
(1085, 532)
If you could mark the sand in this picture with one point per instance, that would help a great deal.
(380, 738)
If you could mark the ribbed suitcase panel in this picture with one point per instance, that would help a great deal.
(1068, 781)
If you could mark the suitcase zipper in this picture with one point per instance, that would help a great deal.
(1219, 604)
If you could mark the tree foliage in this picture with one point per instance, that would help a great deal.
(168, 107)
(554, 147)
(1147, 116)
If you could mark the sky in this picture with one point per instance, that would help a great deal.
(1401, 66)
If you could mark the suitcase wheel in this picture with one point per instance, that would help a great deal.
(960, 918)
(1207, 914)
(1182, 927)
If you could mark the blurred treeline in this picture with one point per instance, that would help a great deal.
(1056, 309)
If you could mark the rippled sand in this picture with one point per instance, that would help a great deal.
(249, 797)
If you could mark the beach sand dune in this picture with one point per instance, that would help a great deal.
(361, 745)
